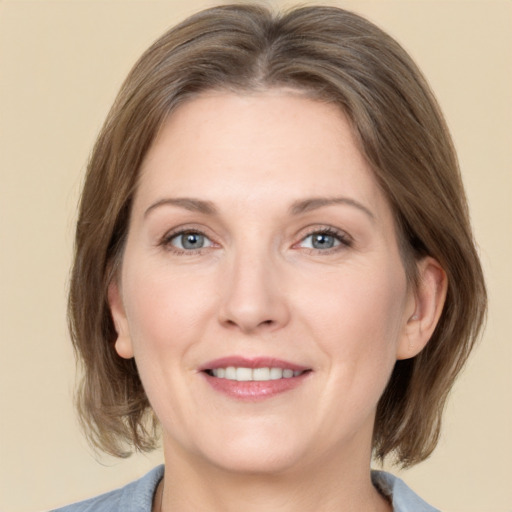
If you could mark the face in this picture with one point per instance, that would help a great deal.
(261, 291)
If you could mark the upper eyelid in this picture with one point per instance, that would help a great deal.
(305, 232)
(326, 229)
(171, 235)
(186, 228)
(345, 240)
(165, 242)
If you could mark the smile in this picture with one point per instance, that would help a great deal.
(253, 379)
(243, 374)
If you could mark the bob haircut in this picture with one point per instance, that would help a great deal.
(331, 55)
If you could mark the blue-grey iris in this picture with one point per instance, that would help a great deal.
(192, 240)
(323, 241)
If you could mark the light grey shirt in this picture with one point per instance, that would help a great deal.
(138, 496)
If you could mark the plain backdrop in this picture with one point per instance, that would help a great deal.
(61, 63)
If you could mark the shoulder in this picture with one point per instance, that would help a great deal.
(402, 497)
(134, 497)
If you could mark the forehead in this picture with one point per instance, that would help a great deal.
(277, 143)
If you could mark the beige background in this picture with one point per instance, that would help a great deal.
(61, 63)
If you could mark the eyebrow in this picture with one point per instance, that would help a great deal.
(193, 205)
(297, 207)
(313, 203)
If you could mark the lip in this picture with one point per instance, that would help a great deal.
(252, 362)
(253, 391)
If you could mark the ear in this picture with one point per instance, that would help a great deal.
(123, 344)
(426, 306)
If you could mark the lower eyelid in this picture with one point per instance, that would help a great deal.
(167, 241)
(342, 239)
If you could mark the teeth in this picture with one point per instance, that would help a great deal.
(276, 373)
(261, 374)
(242, 374)
(230, 373)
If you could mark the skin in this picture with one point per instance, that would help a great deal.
(258, 287)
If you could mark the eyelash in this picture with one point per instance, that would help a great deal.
(345, 241)
(167, 239)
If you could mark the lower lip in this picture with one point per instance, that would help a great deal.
(253, 391)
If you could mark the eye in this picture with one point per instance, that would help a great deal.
(324, 240)
(189, 241)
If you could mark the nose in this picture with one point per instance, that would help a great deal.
(253, 296)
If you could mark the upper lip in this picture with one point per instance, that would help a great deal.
(252, 362)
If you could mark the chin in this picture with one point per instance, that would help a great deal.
(258, 460)
(259, 451)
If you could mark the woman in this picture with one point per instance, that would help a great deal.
(274, 263)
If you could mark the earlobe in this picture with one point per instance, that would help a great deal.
(123, 344)
(429, 299)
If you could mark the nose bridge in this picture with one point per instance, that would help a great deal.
(253, 295)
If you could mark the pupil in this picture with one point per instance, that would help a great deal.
(192, 241)
(322, 241)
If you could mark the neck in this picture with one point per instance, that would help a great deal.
(196, 486)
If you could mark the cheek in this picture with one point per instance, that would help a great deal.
(164, 308)
(357, 318)
(166, 312)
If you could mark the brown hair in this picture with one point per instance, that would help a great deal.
(333, 55)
